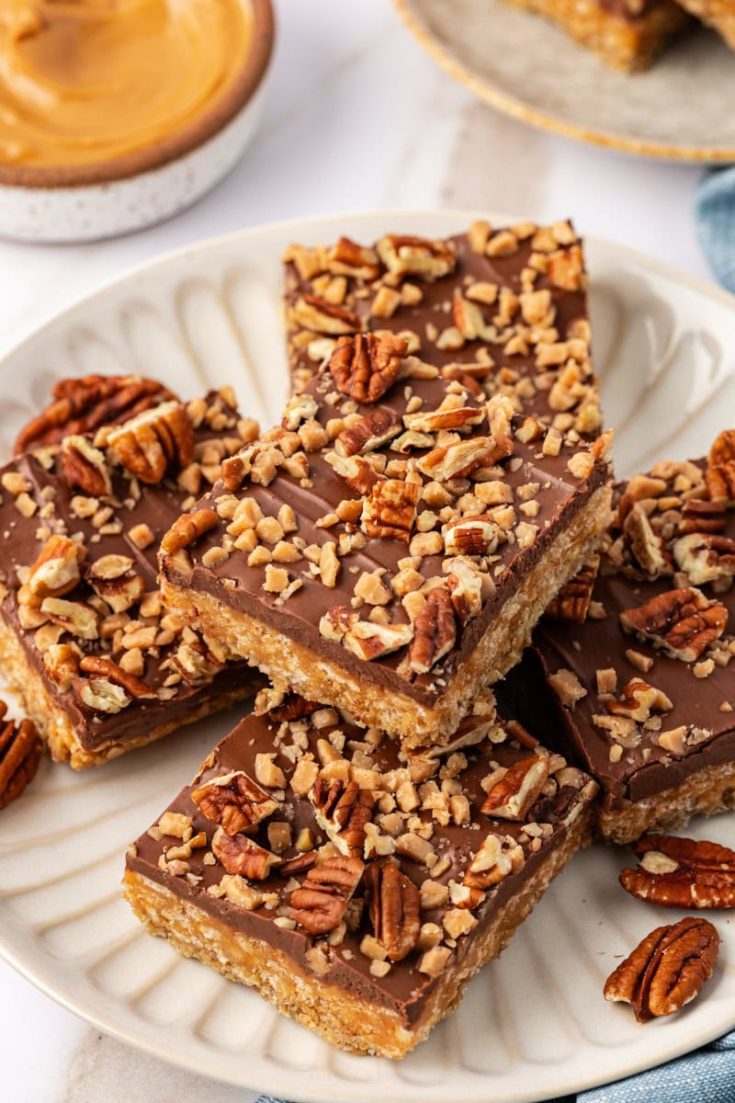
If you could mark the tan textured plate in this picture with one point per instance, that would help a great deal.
(533, 1024)
(528, 68)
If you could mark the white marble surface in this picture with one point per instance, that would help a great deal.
(358, 117)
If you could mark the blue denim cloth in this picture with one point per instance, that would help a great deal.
(705, 1076)
(715, 215)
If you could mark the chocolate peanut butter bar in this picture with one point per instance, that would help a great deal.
(627, 34)
(389, 547)
(639, 657)
(100, 665)
(355, 889)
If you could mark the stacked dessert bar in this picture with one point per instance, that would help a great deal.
(377, 831)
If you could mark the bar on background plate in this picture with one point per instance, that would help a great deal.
(357, 890)
(390, 546)
(638, 655)
(717, 14)
(627, 34)
(100, 666)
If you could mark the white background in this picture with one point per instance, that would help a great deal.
(357, 117)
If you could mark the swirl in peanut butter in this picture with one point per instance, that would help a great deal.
(84, 81)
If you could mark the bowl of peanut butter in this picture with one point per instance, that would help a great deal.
(115, 114)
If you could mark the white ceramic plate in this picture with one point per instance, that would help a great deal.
(530, 69)
(532, 1025)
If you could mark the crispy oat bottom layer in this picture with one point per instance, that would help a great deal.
(293, 667)
(631, 45)
(56, 727)
(339, 1016)
(718, 14)
(705, 793)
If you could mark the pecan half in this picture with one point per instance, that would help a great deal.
(187, 529)
(234, 801)
(55, 572)
(435, 632)
(155, 442)
(699, 515)
(342, 811)
(321, 902)
(366, 365)
(666, 970)
(681, 622)
(395, 908)
(720, 473)
(682, 873)
(83, 405)
(106, 668)
(705, 558)
(84, 466)
(573, 600)
(513, 796)
(406, 255)
(20, 754)
(389, 510)
(497, 857)
(241, 855)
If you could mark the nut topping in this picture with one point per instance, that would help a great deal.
(155, 442)
(720, 473)
(497, 857)
(705, 558)
(516, 792)
(83, 405)
(474, 536)
(234, 801)
(683, 623)
(187, 529)
(638, 700)
(55, 572)
(666, 970)
(366, 365)
(342, 811)
(321, 902)
(405, 255)
(368, 433)
(373, 641)
(389, 510)
(20, 754)
(84, 466)
(107, 669)
(240, 855)
(573, 600)
(682, 873)
(395, 908)
(435, 631)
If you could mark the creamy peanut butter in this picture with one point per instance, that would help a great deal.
(84, 81)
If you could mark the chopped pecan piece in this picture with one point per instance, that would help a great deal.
(681, 622)
(107, 669)
(297, 865)
(705, 558)
(435, 631)
(682, 873)
(187, 529)
(155, 442)
(389, 511)
(314, 313)
(720, 473)
(294, 707)
(75, 616)
(195, 663)
(405, 255)
(321, 902)
(368, 433)
(699, 515)
(55, 572)
(465, 589)
(85, 467)
(83, 405)
(342, 811)
(115, 580)
(373, 641)
(234, 801)
(348, 258)
(666, 970)
(646, 546)
(457, 460)
(395, 908)
(513, 796)
(471, 536)
(358, 473)
(20, 754)
(366, 365)
(242, 856)
(638, 700)
(457, 417)
(497, 857)
(573, 600)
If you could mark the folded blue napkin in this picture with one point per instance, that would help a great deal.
(705, 1076)
(715, 217)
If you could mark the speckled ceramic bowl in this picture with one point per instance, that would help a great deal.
(126, 193)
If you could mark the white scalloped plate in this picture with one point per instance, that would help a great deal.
(533, 1024)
